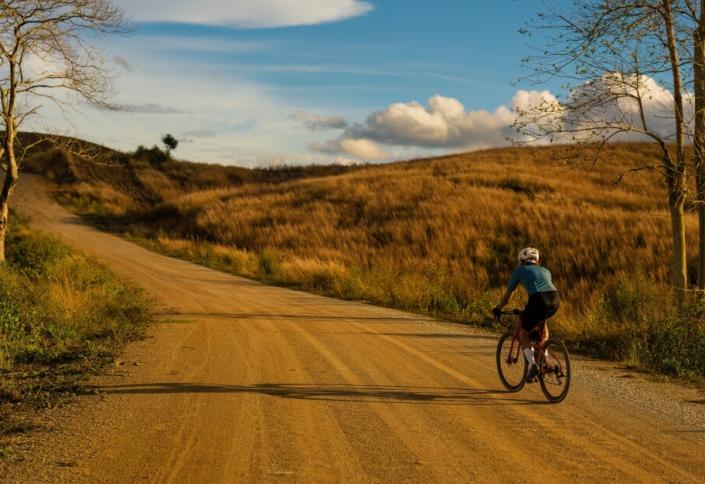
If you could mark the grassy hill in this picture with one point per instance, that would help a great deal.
(118, 182)
(436, 236)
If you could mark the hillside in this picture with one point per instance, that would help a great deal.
(451, 224)
(132, 182)
(437, 236)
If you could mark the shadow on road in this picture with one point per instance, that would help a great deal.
(439, 335)
(342, 393)
(291, 317)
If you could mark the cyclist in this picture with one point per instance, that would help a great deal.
(543, 301)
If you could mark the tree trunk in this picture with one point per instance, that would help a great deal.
(677, 171)
(680, 272)
(5, 195)
(4, 224)
(699, 138)
(11, 176)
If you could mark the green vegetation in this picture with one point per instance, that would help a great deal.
(154, 155)
(436, 236)
(62, 315)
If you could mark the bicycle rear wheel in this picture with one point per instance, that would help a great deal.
(511, 364)
(555, 374)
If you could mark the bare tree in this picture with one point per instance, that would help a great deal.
(623, 63)
(45, 57)
(694, 11)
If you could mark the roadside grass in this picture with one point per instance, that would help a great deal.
(439, 237)
(62, 317)
(325, 278)
(633, 321)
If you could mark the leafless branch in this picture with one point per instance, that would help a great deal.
(44, 56)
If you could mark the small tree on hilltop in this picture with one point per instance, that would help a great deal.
(44, 56)
(170, 143)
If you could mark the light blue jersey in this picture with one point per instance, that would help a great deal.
(533, 277)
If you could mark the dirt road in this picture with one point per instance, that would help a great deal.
(244, 382)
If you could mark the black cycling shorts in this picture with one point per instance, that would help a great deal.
(540, 307)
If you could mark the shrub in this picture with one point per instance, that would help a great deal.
(58, 305)
(269, 264)
(154, 155)
(33, 256)
(675, 346)
(632, 300)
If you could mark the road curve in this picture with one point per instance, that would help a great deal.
(241, 382)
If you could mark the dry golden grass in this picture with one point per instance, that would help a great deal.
(456, 222)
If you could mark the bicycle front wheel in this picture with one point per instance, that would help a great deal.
(511, 364)
(555, 370)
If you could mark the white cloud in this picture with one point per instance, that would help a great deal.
(180, 97)
(620, 110)
(445, 124)
(361, 148)
(245, 13)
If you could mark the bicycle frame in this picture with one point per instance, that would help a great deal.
(539, 350)
(516, 341)
(553, 364)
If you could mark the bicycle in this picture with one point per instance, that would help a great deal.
(552, 359)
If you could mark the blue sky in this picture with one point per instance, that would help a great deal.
(257, 82)
(468, 50)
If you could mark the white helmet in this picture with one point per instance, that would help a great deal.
(529, 254)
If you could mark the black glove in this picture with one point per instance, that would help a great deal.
(497, 311)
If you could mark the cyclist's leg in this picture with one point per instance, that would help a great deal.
(525, 328)
(528, 352)
(552, 302)
(530, 317)
(542, 329)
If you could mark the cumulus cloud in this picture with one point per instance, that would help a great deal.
(619, 108)
(445, 123)
(245, 13)
(315, 122)
(362, 148)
